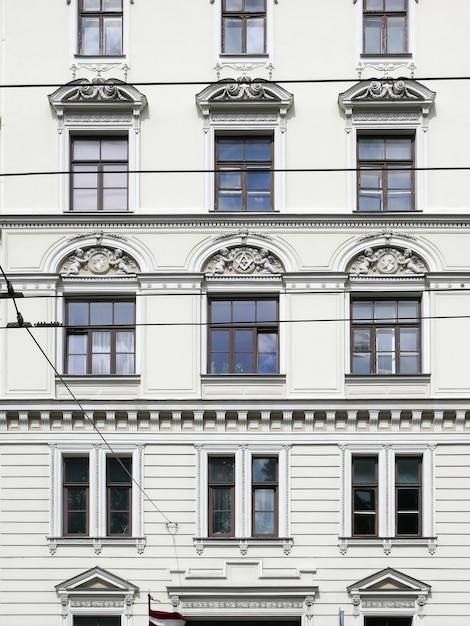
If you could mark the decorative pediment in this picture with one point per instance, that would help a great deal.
(382, 92)
(387, 261)
(243, 260)
(389, 581)
(83, 93)
(242, 91)
(96, 580)
(98, 261)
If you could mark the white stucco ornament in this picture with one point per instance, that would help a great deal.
(243, 260)
(387, 261)
(99, 261)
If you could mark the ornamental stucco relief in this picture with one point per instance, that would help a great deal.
(98, 261)
(243, 260)
(387, 261)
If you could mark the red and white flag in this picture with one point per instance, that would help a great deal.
(162, 618)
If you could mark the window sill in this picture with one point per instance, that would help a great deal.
(96, 542)
(387, 378)
(387, 542)
(389, 386)
(243, 543)
(112, 386)
(386, 55)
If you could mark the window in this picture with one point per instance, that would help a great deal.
(364, 497)
(243, 336)
(100, 27)
(119, 492)
(94, 496)
(97, 621)
(388, 495)
(99, 168)
(264, 496)
(386, 336)
(221, 496)
(387, 621)
(244, 27)
(76, 495)
(243, 493)
(244, 173)
(385, 27)
(100, 337)
(390, 187)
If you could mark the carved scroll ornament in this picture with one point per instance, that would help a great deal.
(98, 261)
(387, 261)
(387, 89)
(243, 260)
(245, 89)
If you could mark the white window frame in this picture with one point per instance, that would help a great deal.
(97, 496)
(408, 114)
(243, 455)
(252, 61)
(116, 113)
(102, 62)
(393, 62)
(386, 455)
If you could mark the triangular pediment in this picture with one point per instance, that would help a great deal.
(96, 94)
(389, 581)
(384, 92)
(96, 581)
(243, 92)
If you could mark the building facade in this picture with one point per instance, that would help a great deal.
(235, 262)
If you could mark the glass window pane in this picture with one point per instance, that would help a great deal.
(264, 523)
(398, 149)
(361, 340)
(77, 344)
(85, 200)
(101, 364)
(371, 149)
(243, 363)
(221, 311)
(408, 469)
(230, 180)
(221, 469)
(229, 201)
(361, 363)
(112, 5)
(408, 310)
(395, 5)
(244, 311)
(374, 5)
(264, 469)
(78, 313)
(267, 342)
(115, 199)
(124, 313)
(385, 364)
(101, 313)
(221, 523)
(370, 201)
(385, 339)
(258, 201)
(372, 35)
(399, 179)
(85, 176)
(409, 364)
(243, 340)
(385, 310)
(266, 310)
(220, 341)
(267, 363)
(125, 342)
(76, 470)
(101, 342)
(115, 175)
(86, 149)
(125, 364)
(76, 364)
(362, 311)
(90, 35)
(408, 499)
(364, 524)
(230, 149)
(254, 5)
(112, 36)
(364, 499)
(258, 179)
(399, 201)
(234, 5)
(118, 470)
(408, 524)
(264, 499)
(395, 35)
(258, 149)
(232, 36)
(114, 150)
(409, 339)
(370, 179)
(91, 5)
(255, 36)
(364, 469)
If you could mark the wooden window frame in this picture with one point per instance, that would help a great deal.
(243, 166)
(374, 486)
(384, 166)
(373, 325)
(122, 485)
(88, 329)
(384, 15)
(100, 164)
(212, 485)
(66, 485)
(244, 16)
(392, 620)
(100, 15)
(418, 486)
(272, 485)
(257, 328)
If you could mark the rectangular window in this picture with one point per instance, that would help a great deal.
(385, 178)
(100, 27)
(76, 487)
(244, 27)
(264, 484)
(408, 484)
(365, 496)
(96, 621)
(387, 621)
(100, 337)
(99, 174)
(243, 336)
(385, 26)
(119, 495)
(386, 336)
(244, 177)
(221, 496)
